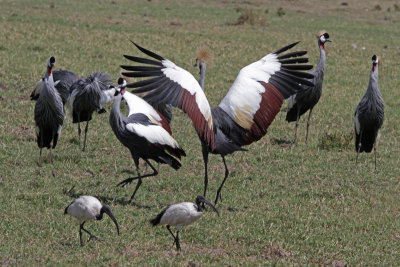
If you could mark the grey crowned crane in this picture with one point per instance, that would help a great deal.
(63, 80)
(368, 116)
(87, 96)
(49, 113)
(88, 208)
(181, 214)
(245, 113)
(145, 133)
(306, 99)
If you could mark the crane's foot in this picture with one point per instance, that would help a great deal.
(125, 182)
(94, 238)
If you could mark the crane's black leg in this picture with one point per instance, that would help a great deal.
(80, 233)
(308, 124)
(205, 159)
(138, 183)
(51, 150)
(40, 158)
(222, 184)
(79, 129)
(359, 147)
(84, 141)
(375, 152)
(297, 125)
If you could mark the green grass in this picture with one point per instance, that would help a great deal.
(283, 204)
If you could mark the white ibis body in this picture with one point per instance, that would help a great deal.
(145, 132)
(306, 99)
(87, 96)
(369, 113)
(245, 113)
(88, 208)
(49, 113)
(181, 214)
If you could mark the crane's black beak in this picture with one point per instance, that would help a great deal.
(109, 213)
(328, 40)
(201, 199)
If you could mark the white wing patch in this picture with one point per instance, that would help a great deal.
(155, 134)
(244, 97)
(188, 82)
(138, 105)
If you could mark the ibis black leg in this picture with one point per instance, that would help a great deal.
(308, 124)
(169, 230)
(91, 236)
(178, 246)
(84, 140)
(222, 184)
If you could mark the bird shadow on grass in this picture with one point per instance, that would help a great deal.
(282, 142)
(104, 199)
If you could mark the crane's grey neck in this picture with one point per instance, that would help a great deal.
(322, 55)
(373, 81)
(202, 67)
(116, 119)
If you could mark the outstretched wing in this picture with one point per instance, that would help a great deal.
(257, 94)
(172, 85)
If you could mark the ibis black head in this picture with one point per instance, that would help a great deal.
(201, 199)
(51, 62)
(106, 209)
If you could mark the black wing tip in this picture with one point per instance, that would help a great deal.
(285, 48)
(156, 220)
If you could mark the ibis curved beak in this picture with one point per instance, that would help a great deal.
(206, 201)
(109, 213)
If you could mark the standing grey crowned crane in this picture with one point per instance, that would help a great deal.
(87, 96)
(144, 132)
(181, 214)
(63, 80)
(49, 113)
(245, 113)
(88, 208)
(368, 116)
(307, 98)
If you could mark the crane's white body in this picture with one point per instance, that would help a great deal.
(85, 208)
(181, 214)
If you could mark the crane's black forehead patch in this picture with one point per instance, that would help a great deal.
(52, 60)
(326, 35)
(373, 57)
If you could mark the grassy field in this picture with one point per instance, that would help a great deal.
(283, 204)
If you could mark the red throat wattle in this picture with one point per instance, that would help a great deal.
(49, 72)
(322, 46)
(373, 68)
(122, 91)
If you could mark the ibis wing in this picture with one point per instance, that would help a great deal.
(170, 84)
(257, 94)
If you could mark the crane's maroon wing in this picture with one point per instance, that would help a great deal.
(259, 90)
(172, 85)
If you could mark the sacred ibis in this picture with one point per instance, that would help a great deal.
(307, 98)
(49, 113)
(145, 132)
(368, 115)
(181, 214)
(88, 208)
(245, 113)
